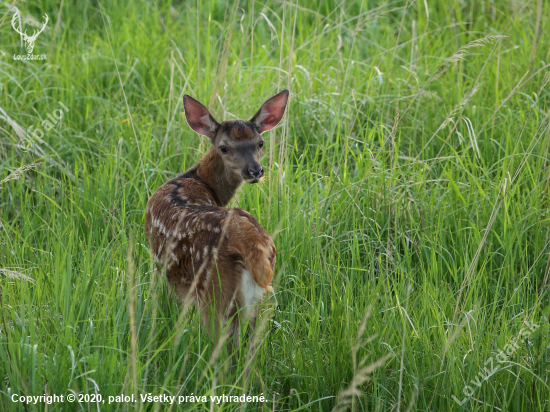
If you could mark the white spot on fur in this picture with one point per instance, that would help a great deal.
(184, 248)
(174, 256)
(206, 278)
(159, 225)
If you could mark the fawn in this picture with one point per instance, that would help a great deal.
(220, 258)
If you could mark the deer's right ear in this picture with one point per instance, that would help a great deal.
(199, 118)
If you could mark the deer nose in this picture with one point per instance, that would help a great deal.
(256, 171)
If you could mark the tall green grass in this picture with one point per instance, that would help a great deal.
(407, 194)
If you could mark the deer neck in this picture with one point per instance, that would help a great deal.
(221, 181)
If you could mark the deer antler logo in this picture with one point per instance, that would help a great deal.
(28, 39)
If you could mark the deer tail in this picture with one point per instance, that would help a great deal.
(255, 246)
(260, 260)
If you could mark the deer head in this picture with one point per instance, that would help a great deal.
(237, 143)
(28, 39)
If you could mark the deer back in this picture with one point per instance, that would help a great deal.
(198, 242)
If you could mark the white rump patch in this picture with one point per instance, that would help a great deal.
(251, 292)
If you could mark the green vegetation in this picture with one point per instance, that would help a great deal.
(407, 194)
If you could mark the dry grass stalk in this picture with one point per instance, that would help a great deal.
(12, 274)
(461, 53)
(19, 172)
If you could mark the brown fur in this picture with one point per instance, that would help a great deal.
(204, 247)
(239, 130)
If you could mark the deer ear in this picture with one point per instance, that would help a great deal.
(271, 112)
(199, 118)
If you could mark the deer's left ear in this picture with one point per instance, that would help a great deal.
(271, 112)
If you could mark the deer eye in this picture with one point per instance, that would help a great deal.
(261, 144)
(223, 149)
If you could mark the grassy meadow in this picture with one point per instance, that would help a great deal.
(406, 192)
